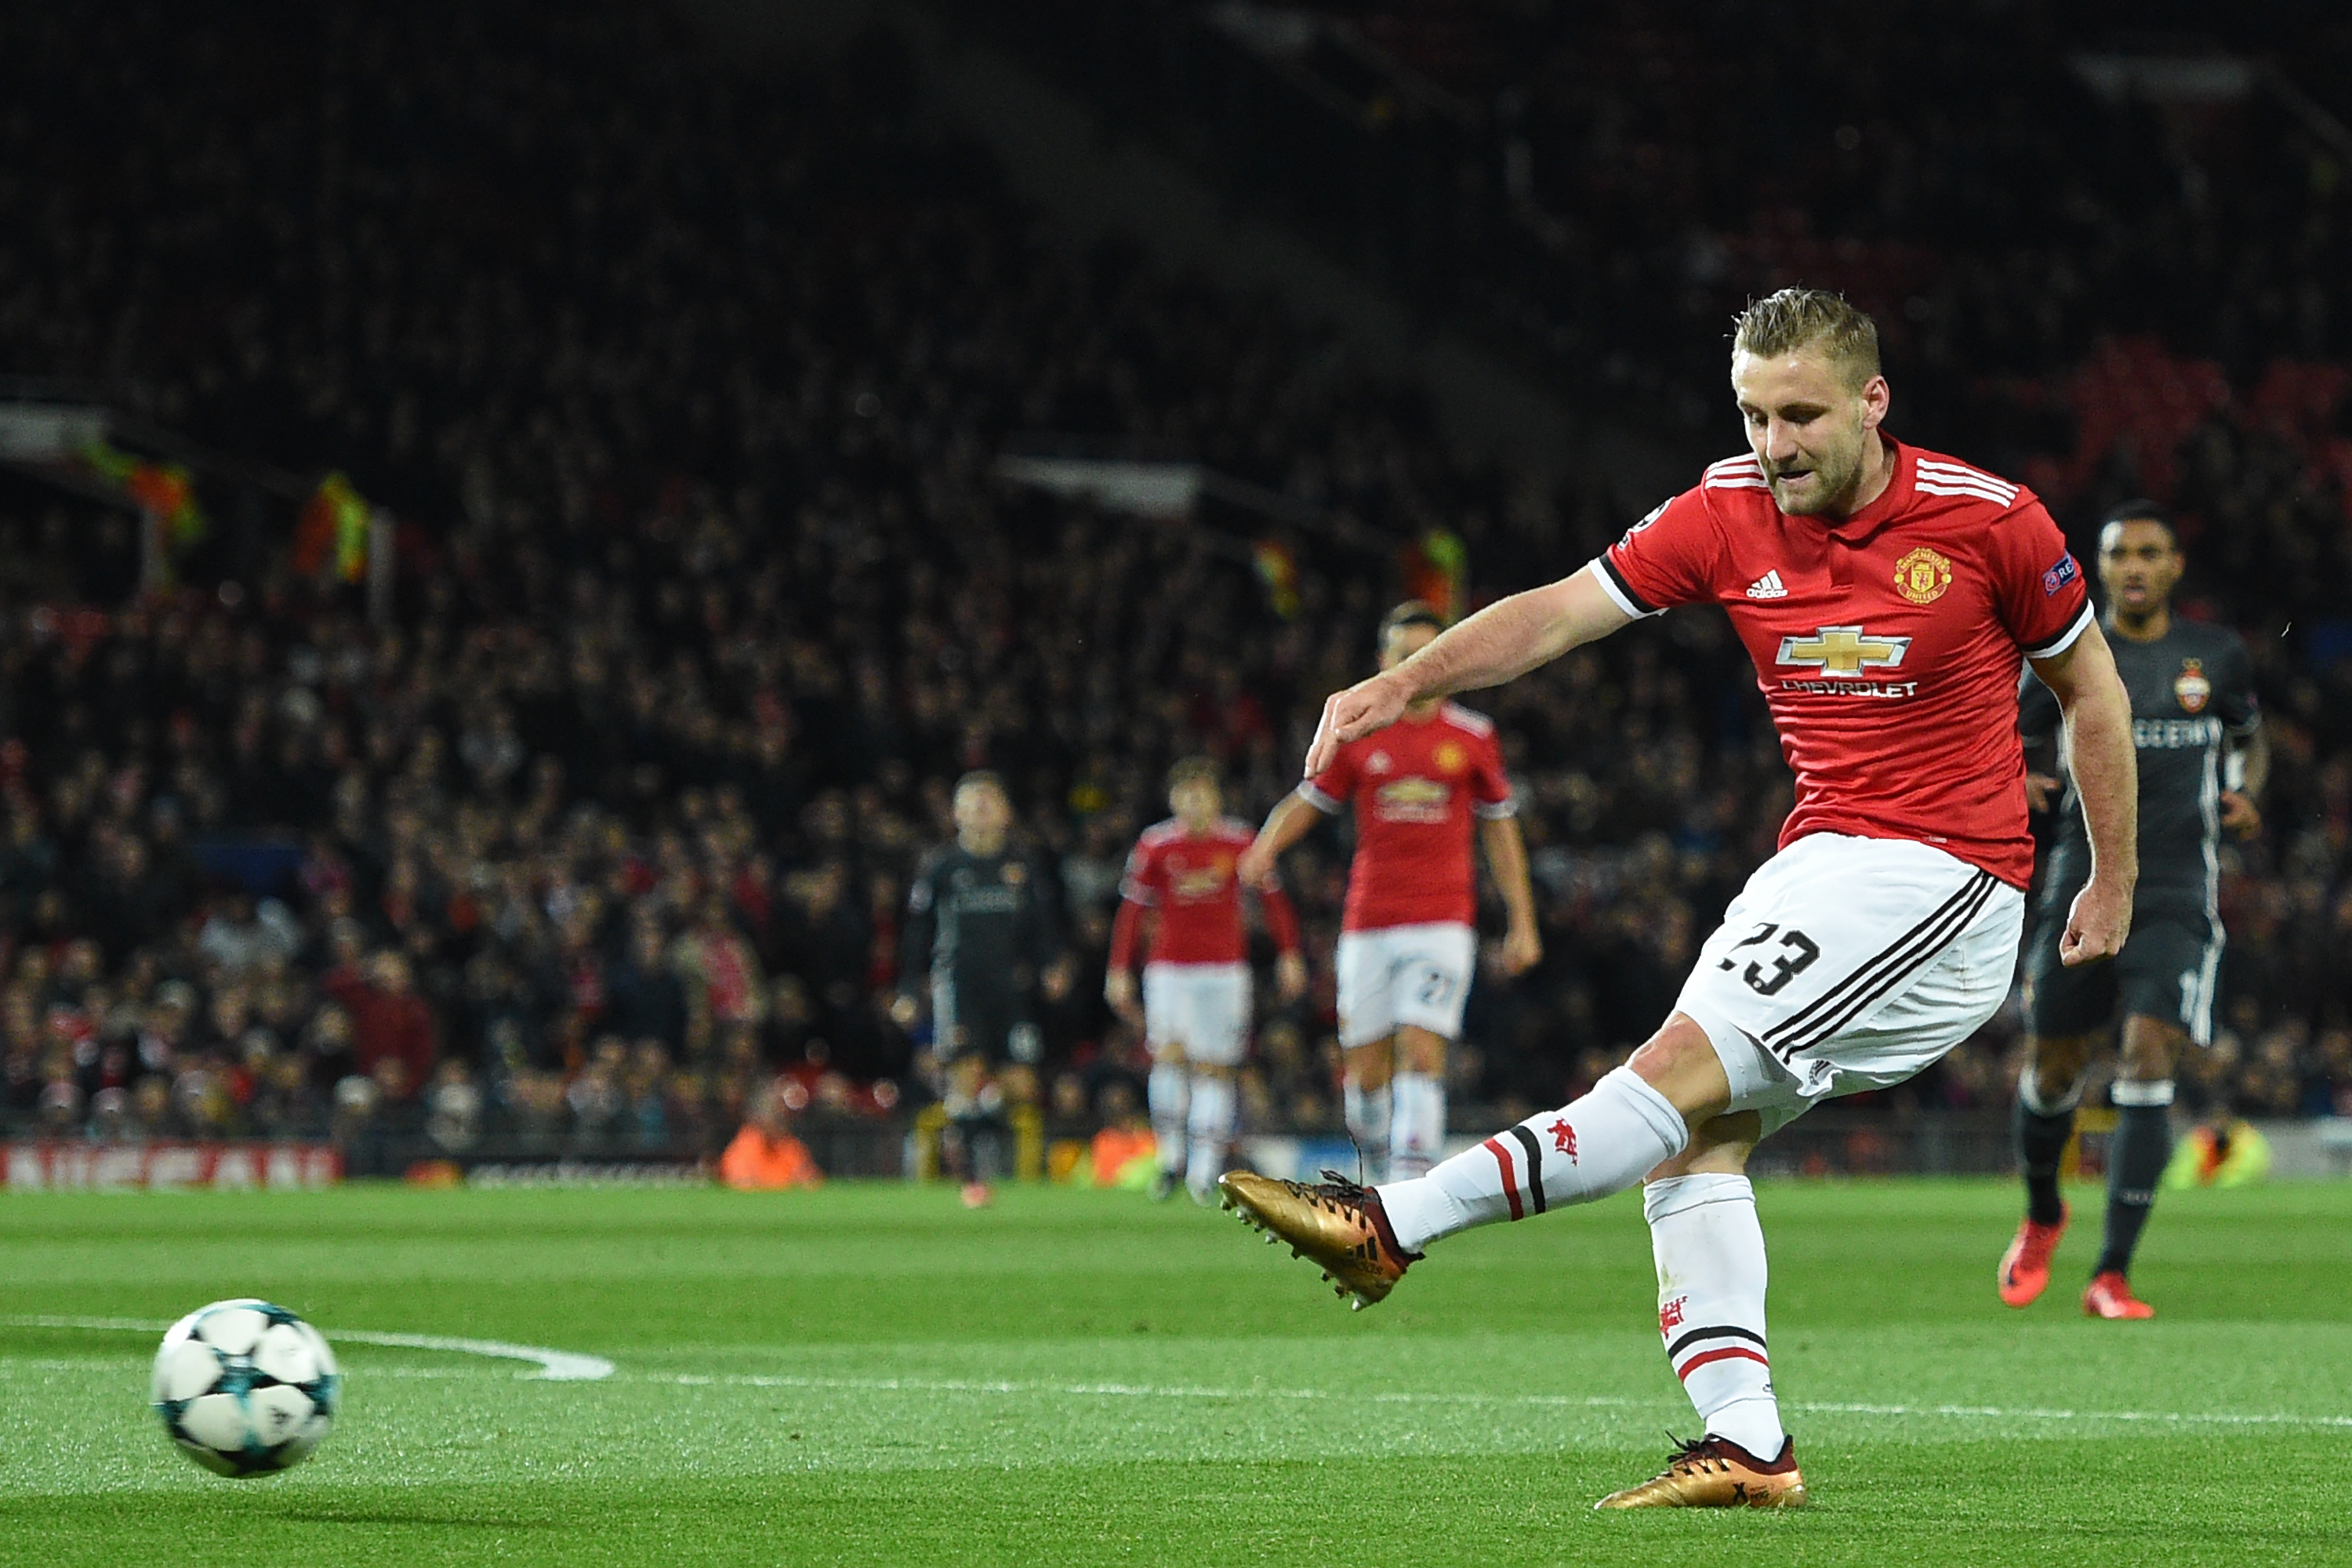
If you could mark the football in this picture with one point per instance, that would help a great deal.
(246, 1388)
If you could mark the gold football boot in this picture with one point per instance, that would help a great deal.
(1715, 1472)
(1334, 1224)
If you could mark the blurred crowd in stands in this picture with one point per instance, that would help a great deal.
(686, 387)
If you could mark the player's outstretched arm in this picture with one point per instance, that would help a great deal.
(2098, 748)
(1286, 825)
(1506, 858)
(1500, 643)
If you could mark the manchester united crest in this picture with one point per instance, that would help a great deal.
(1923, 576)
(1450, 758)
(2191, 686)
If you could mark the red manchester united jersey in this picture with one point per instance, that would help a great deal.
(1189, 884)
(1416, 787)
(1887, 645)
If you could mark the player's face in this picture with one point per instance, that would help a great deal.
(982, 812)
(1195, 802)
(1403, 642)
(2139, 564)
(1809, 428)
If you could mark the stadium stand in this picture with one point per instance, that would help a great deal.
(686, 386)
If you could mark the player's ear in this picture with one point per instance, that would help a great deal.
(1877, 397)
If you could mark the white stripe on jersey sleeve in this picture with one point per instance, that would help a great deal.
(1960, 473)
(2064, 639)
(1978, 491)
(1319, 800)
(1496, 810)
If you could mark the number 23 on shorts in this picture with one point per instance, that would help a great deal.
(1800, 952)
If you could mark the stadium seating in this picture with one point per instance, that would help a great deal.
(685, 386)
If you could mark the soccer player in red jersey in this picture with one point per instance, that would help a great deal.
(1408, 938)
(1887, 596)
(1180, 880)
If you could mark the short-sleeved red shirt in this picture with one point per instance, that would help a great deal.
(1416, 787)
(1189, 883)
(1887, 645)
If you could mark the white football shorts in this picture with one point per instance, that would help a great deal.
(1848, 964)
(1392, 975)
(1201, 1010)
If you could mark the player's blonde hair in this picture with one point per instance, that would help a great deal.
(1815, 319)
(1192, 769)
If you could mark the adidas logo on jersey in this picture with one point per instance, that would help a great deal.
(1768, 586)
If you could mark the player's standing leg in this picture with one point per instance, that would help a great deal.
(1367, 1102)
(1367, 1025)
(1429, 982)
(1167, 1090)
(2048, 1087)
(1166, 1093)
(2141, 1148)
(1218, 1027)
(1210, 1131)
(1417, 1101)
(1709, 1250)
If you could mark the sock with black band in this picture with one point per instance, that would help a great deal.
(1599, 1144)
(2136, 1156)
(2042, 1130)
(1711, 1275)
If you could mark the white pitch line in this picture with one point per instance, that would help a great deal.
(554, 1366)
(1533, 1401)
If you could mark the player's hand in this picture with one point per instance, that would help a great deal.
(2039, 790)
(2239, 815)
(905, 1010)
(1522, 949)
(1253, 867)
(2097, 924)
(1352, 714)
(1290, 977)
(1119, 990)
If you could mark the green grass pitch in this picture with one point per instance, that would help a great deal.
(873, 1375)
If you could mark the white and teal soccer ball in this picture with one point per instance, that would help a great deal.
(246, 1388)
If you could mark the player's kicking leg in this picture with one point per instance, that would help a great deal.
(1636, 1120)
(2048, 1087)
(2140, 1150)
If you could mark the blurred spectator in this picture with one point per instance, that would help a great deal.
(764, 1156)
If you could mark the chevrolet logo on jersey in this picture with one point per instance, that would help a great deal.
(1413, 800)
(1844, 653)
(1189, 882)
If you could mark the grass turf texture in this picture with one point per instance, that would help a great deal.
(872, 1375)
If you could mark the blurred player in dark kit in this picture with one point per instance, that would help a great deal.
(980, 944)
(2202, 763)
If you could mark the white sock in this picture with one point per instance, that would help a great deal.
(1416, 1124)
(1367, 1111)
(1711, 1254)
(1164, 1090)
(1603, 1143)
(1211, 1126)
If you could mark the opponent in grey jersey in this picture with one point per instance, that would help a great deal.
(2197, 731)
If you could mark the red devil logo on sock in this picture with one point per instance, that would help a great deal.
(1563, 1139)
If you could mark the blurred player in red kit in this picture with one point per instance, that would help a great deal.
(1408, 938)
(1184, 883)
